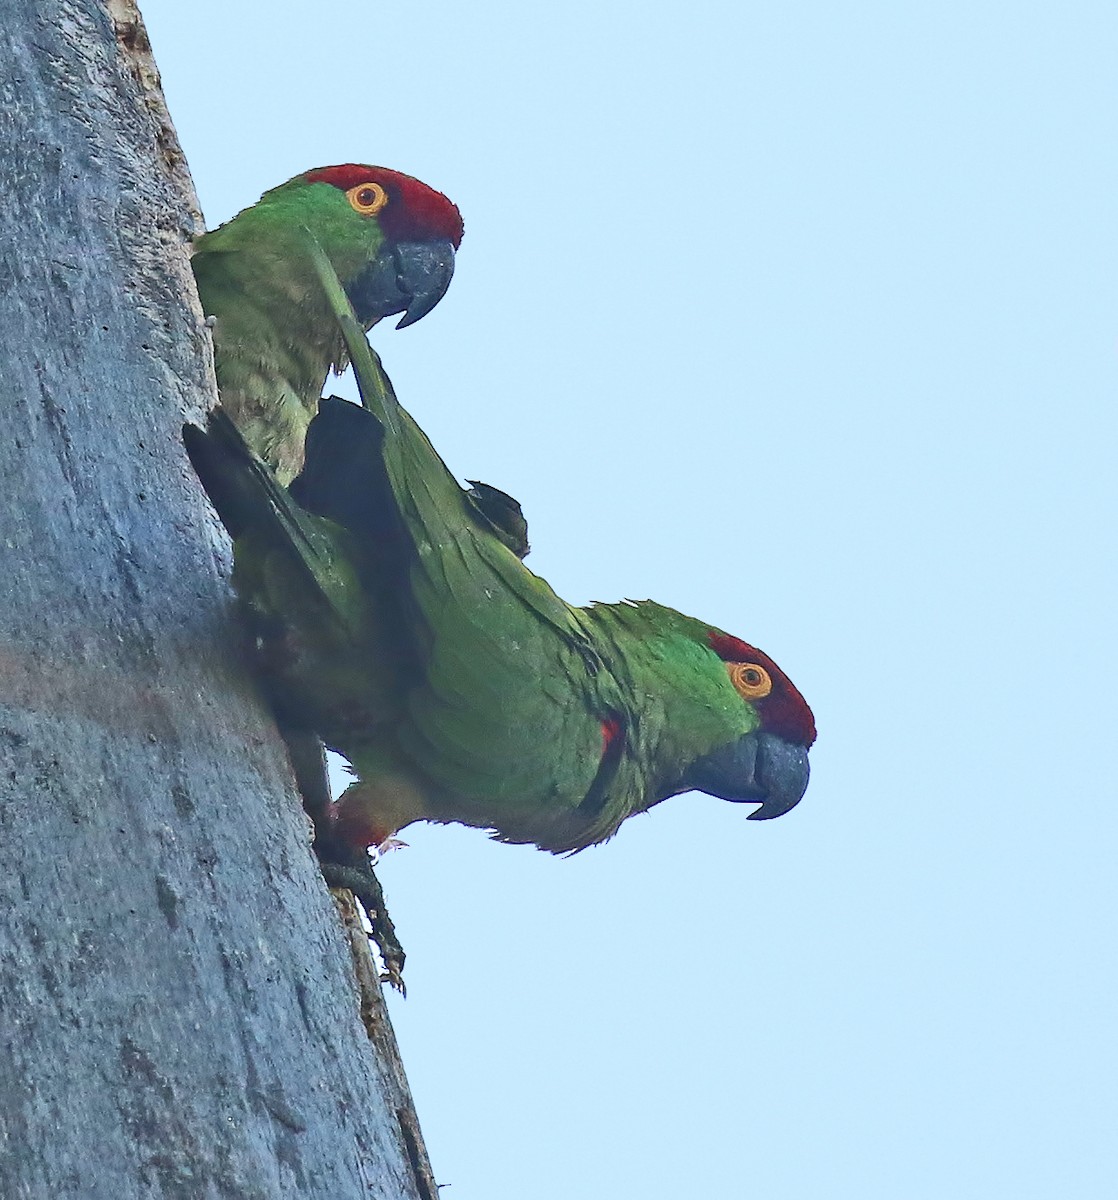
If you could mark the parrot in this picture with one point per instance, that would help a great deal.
(397, 618)
(392, 241)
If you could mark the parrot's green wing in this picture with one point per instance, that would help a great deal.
(296, 575)
(256, 510)
(514, 706)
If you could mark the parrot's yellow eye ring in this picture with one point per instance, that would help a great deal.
(367, 198)
(750, 680)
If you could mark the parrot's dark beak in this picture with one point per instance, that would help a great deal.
(758, 766)
(407, 277)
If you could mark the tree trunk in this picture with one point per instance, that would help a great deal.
(178, 1010)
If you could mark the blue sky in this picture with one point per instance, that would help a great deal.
(801, 318)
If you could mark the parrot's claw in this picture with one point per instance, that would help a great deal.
(363, 883)
(377, 853)
(340, 865)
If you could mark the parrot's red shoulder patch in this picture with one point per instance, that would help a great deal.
(414, 211)
(611, 727)
(783, 711)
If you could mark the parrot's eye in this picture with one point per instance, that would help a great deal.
(750, 680)
(367, 198)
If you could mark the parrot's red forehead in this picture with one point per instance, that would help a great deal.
(414, 210)
(783, 711)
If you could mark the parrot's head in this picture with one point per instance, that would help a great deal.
(390, 237)
(768, 763)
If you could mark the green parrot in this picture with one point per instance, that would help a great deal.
(396, 621)
(390, 238)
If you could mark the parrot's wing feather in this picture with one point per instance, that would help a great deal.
(303, 595)
(514, 694)
(428, 495)
(253, 506)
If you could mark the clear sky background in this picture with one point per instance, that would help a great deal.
(801, 318)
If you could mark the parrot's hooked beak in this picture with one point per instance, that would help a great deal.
(758, 766)
(407, 277)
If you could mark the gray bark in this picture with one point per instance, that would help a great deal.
(178, 1010)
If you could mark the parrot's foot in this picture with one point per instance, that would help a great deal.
(359, 878)
(341, 866)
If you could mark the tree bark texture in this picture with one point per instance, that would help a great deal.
(178, 1010)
